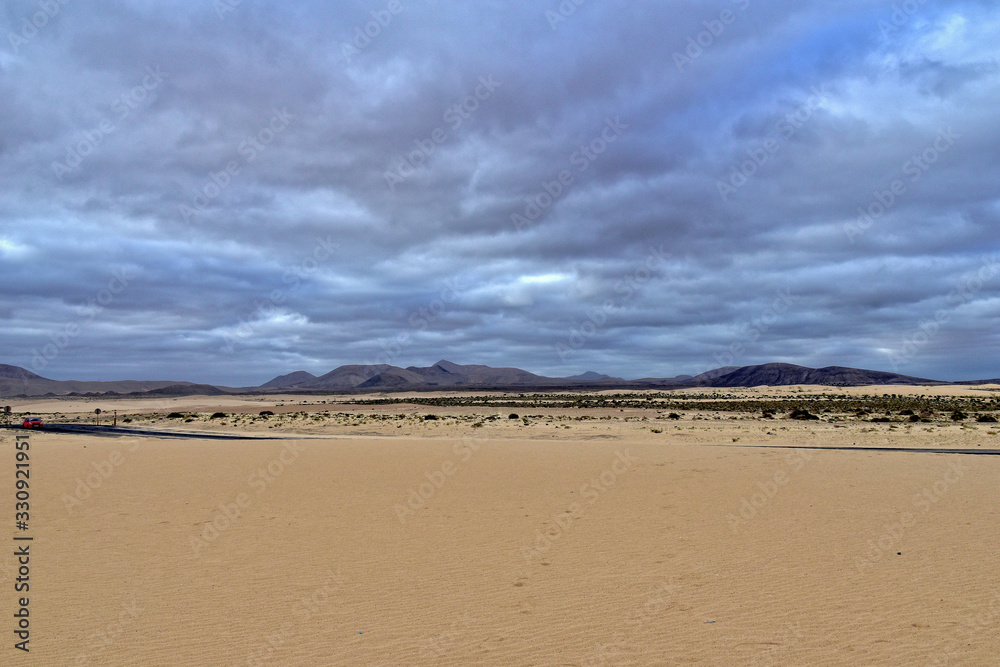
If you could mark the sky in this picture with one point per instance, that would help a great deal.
(227, 190)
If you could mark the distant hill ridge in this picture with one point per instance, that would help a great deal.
(786, 374)
(592, 375)
(8, 372)
(17, 381)
(446, 374)
(289, 380)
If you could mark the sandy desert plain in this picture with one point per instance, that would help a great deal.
(593, 529)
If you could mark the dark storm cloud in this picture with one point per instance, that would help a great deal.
(227, 191)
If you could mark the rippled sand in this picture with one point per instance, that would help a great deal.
(603, 543)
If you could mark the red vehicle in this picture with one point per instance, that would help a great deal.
(32, 422)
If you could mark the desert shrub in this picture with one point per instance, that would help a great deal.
(430, 417)
(127, 420)
(986, 419)
(673, 415)
(513, 415)
(175, 415)
(189, 420)
(907, 412)
(801, 414)
(266, 413)
(218, 415)
(914, 418)
(958, 416)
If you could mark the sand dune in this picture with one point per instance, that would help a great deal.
(539, 545)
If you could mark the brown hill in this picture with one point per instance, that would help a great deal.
(447, 374)
(16, 381)
(345, 377)
(786, 374)
(8, 372)
(393, 377)
(289, 380)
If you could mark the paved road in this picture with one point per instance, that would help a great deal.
(862, 448)
(121, 431)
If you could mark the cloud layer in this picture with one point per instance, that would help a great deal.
(226, 191)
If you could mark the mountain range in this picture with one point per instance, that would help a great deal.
(16, 381)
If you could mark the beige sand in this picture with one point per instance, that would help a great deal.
(602, 543)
